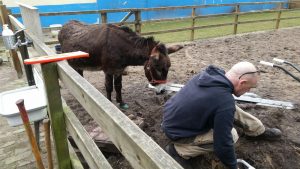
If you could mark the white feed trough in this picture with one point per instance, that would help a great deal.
(34, 100)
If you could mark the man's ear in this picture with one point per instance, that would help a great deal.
(243, 81)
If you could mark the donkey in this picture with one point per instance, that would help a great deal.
(112, 49)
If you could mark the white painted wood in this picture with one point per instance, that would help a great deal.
(31, 20)
(16, 23)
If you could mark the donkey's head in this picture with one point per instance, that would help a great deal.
(157, 67)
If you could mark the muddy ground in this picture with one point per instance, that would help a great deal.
(222, 52)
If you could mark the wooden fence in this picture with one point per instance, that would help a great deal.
(135, 145)
(235, 23)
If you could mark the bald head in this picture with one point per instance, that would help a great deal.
(242, 68)
(243, 76)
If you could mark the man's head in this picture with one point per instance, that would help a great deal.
(243, 76)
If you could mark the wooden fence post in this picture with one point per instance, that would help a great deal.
(236, 19)
(12, 52)
(193, 24)
(57, 117)
(137, 21)
(103, 17)
(278, 16)
(31, 19)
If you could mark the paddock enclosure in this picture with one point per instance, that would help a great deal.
(224, 52)
(142, 145)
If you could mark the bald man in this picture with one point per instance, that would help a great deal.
(200, 117)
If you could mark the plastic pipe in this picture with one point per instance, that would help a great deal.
(288, 63)
(277, 66)
(245, 163)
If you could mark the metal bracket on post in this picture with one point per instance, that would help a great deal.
(21, 44)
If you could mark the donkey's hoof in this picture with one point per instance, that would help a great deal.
(124, 106)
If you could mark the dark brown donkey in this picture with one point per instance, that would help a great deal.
(112, 49)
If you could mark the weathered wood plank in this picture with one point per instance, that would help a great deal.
(185, 29)
(257, 21)
(56, 114)
(278, 20)
(103, 17)
(193, 24)
(287, 18)
(137, 147)
(39, 45)
(85, 143)
(4, 14)
(31, 20)
(236, 19)
(138, 26)
(75, 162)
(126, 17)
(16, 23)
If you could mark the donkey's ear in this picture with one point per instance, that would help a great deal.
(174, 48)
(162, 48)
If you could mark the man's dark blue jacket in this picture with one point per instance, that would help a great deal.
(204, 103)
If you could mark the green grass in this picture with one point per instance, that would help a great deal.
(218, 31)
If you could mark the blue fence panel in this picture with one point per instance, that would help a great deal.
(48, 20)
(116, 4)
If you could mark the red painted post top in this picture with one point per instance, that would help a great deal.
(55, 58)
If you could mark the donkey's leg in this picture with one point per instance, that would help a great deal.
(118, 88)
(108, 85)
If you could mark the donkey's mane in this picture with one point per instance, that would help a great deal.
(138, 40)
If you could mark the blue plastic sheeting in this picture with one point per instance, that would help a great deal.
(116, 4)
(48, 20)
(247, 8)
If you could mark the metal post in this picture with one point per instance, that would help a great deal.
(24, 53)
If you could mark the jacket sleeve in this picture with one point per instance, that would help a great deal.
(223, 142)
